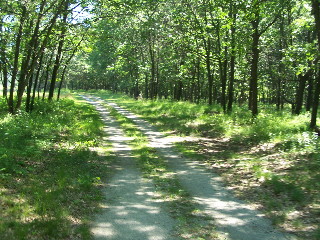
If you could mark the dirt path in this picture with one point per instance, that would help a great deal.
(131, 211)
(236, 219)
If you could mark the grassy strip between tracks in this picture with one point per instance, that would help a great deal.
(193, 224)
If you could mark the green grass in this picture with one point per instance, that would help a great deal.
(272, 160)
(185, 118)
(50, 181)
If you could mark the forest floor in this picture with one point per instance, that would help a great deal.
(186, 199)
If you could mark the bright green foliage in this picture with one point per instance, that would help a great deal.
(182, 50)
(49, 179)
(37, 39)
(203, 120)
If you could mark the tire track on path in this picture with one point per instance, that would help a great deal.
(131, 211)
(236, 219)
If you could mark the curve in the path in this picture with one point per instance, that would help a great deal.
(233, 217)
(131, 211)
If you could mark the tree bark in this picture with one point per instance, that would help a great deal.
(207, 44)
(310, 94)
(16, 60)
(224, 81)
(253, 86)
(232, 61)
(47, 75)
(3, 67)
(316, 13)
(279, 88)
(315, 105)
(56, 65)
(29, 63)
(302, 78)
(146, 86)
(31, 104)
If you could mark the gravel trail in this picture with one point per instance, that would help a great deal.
(234, 218)
(131, 211)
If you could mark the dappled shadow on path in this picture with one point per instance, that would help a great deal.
(234, 217)
(272, 180)
(130, 211)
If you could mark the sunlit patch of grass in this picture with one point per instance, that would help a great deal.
(50, 182)
(187, 118)
(165, 114)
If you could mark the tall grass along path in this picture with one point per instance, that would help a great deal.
(236, 219)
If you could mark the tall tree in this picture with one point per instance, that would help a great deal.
(316, 14)
(257, 31)
(62, 36)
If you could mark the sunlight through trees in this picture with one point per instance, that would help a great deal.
(220, 52)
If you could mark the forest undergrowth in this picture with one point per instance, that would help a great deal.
(50, 180)
(271, 161)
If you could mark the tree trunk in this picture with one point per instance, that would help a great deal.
(198, 94)
(47, 75)
(26, 69)
(33, 53)
(16, 60)
(253, 86)
(157, 86)
(61, 81)
(36, 83)
(222, 67)
(299, 94)
(232, 62)
(56, 65)
(136, 89)
(300, 91)
(316, 14)
(3, 65)
(65, 67)
(224, 81)
(207, 44)
(279, 93)
(4, 75)
(152, 69)
(310, 94)
(315, 105)
(29, 90)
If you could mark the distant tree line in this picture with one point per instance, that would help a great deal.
(215, 51)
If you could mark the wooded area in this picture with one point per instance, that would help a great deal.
(220, 52)
(38, 40)
(241, 78)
